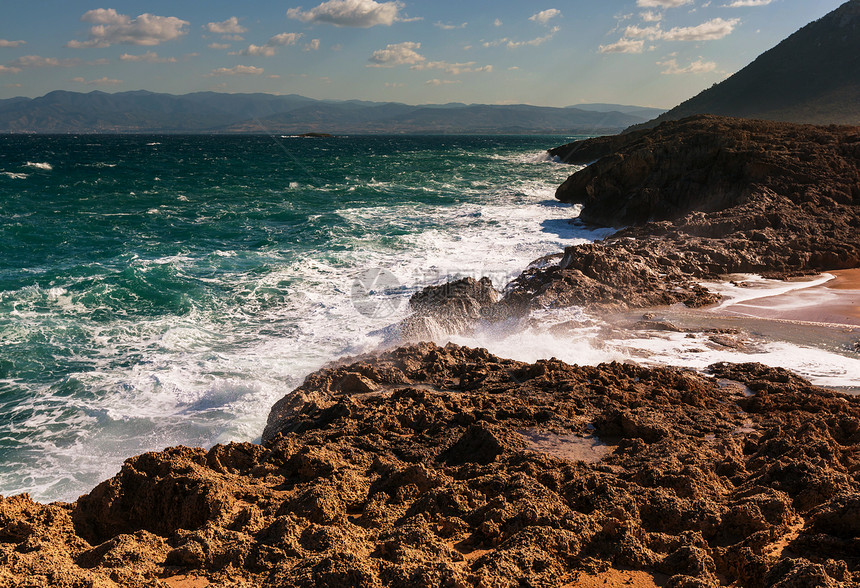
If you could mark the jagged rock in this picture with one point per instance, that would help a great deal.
(453, 307)
(434, 478)
(708, 196)
(707, 164)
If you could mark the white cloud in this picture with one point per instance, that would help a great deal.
(248, 70)
(545, 16)
(738, 3)
(699, 66)
(397, 54)
(230, 26)
(634, 35)
(5, 43)
(105, 81)
(37, 61)
(454, 69)
(148, 57)
(623, 46)
(284, 39)
(351, 13)
(712, 30)
(438, 82)
(218, 45)
(497, 23)
(313, 45)
(661, 3)
(4, 69)
(268, 50)
(110, 27)
(449, 27)
(510, 44)
(636, 32)
(650, 16)
(407, 54)
(256, 51)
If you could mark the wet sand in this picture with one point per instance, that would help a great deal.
(845, 280)
(835, 302)
(821, 312)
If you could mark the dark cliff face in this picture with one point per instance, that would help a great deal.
(813, 76)
(703, 197)
(708, 164)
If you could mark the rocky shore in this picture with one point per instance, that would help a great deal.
(699, 199)
(431, 466)
(448, 466)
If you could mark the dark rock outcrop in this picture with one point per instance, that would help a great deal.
(587, 151)
(452, 467)
(707, 164)
(447, 308)
(707, 196)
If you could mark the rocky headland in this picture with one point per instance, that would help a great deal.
(448, 466)
(697, 199)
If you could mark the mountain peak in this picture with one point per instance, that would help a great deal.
(813, 76)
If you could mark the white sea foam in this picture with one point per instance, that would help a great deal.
(747, 287)
(15, 176)
(210, 373)
(37, 165)
(820, 366)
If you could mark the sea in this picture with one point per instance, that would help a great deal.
(167, 290)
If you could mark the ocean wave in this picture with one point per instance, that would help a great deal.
(15, 176)
(233, 289)
(38, 165)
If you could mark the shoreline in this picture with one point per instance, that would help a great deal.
(835, 302)
(821, 316)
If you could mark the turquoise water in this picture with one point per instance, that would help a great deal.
(168, 290)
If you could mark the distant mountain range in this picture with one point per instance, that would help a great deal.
(813, 76)
(212, 112)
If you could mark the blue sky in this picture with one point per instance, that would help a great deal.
(553, 53)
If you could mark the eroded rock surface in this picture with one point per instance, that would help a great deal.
(419, 467)
(707, 196)
(452, 307)
(703, 197)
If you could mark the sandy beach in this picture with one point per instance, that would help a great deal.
(754, 320)
(832, 299)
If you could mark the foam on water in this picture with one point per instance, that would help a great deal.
(39, 165)
(152, 351)
(820, 366)
(747, 287)
(209, 294)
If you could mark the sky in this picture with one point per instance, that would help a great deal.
(543, 52)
